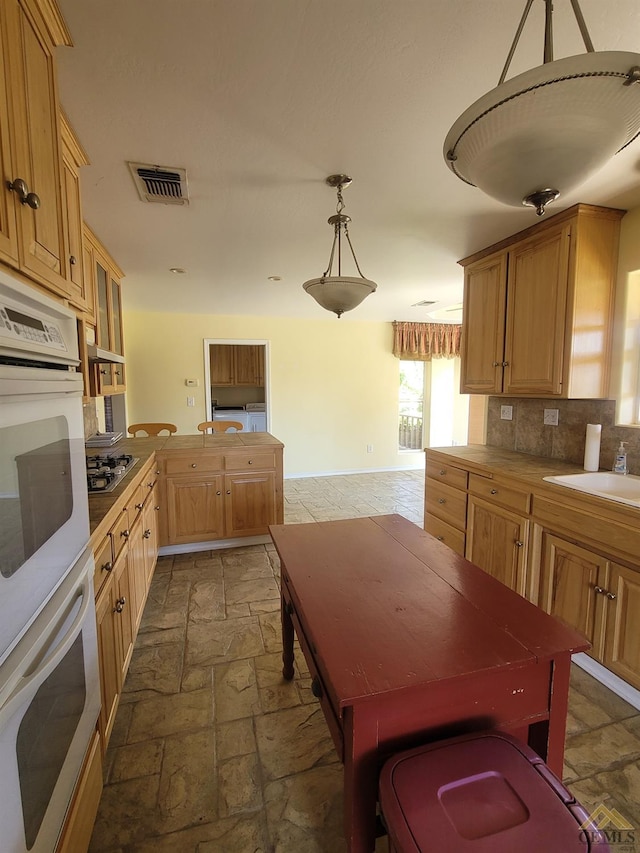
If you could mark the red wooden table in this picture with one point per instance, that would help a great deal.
(407, 642)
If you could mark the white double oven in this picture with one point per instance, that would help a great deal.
(49, 683)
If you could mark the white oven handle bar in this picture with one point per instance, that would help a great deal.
(51, 661)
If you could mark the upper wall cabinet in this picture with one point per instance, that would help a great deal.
(241, 364)
(104, 275)
(538, 308)
(31, 206)
(73, 157)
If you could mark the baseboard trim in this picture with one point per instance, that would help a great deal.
(215, 545)
(616, 684)
(309, 474)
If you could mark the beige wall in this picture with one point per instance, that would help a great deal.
(333, 384)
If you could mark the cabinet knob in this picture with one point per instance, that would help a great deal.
(157, 508)
(19, 186)
(147, 533)
(518, 543)
(157, 473)
(250, 462)
(495, 364)
(218, 493)
(138, 506)
(316, 688)
(228, 491)
(150, 485)
(493, 492)
(442, 472)
(442, 501)
(125, 534)
(599, 590)
(106, 567)
(120, 603)
(193, 465)
(73, 260)
(505, 364)
(104, 371)
(440, 538)
(611, 596)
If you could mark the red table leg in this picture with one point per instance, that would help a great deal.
(287, 640)
(559, 704)
(360, 730)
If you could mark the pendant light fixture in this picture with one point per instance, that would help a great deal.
(544, 132)
(339, 293)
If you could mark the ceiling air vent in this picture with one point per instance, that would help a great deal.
(424, 303)
(161, 184)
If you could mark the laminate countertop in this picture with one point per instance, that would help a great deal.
(101, 504)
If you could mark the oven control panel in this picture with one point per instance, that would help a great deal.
(24, 327)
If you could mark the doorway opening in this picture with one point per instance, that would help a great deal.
(237, 381)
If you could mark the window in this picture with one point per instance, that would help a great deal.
(411, 405)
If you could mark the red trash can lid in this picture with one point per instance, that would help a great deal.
(482, 794)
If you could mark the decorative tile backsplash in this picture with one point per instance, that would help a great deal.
(528, 433)
(90, 416)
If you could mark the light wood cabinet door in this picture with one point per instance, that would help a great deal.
(195, 509)
(536, 308)
(249, 364)
(621, 600)
(8, 224)
(222, 364)
(250, 501)
(78, 827)
(109, 645)
(73, 158)
(482, 345)
(36, 140)
(150, 534)
(569, 578)
(497, 542)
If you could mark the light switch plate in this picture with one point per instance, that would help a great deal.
(551, 417)
(506, 413)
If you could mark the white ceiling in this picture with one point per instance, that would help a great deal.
(260, 100)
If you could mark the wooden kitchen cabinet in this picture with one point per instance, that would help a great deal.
(115, 641)
(497, 542)
(445, 504)
(236, 364)
(78, 827)
(107, 378)
(80, 291)
(212, 494)
(599, 597)
(538, 308)
(32, 235)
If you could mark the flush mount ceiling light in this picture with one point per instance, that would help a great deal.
(546, 131)
(339, 293)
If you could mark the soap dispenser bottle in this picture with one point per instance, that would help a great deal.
(620, 463)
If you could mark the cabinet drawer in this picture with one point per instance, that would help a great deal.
(493, 492)
(103, 559)
(193, 464)
(444, 532)
(455, 477)
(446, 503)
(250, 460)
(119, 532)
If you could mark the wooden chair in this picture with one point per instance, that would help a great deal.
(220, 426)
(152, 429)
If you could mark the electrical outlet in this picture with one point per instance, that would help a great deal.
(191, 401)
(369, 448)
(550, 417)
(506, 413)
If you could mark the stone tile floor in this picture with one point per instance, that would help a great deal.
(213, 753)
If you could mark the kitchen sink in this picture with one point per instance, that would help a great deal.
(624, 488)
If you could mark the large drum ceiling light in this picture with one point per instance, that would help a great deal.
(339, 293)
(544, 132)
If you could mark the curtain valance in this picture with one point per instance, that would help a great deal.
(424, 341)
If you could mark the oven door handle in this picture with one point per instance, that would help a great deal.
(50, 661)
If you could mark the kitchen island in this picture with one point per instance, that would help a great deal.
(408, 642)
